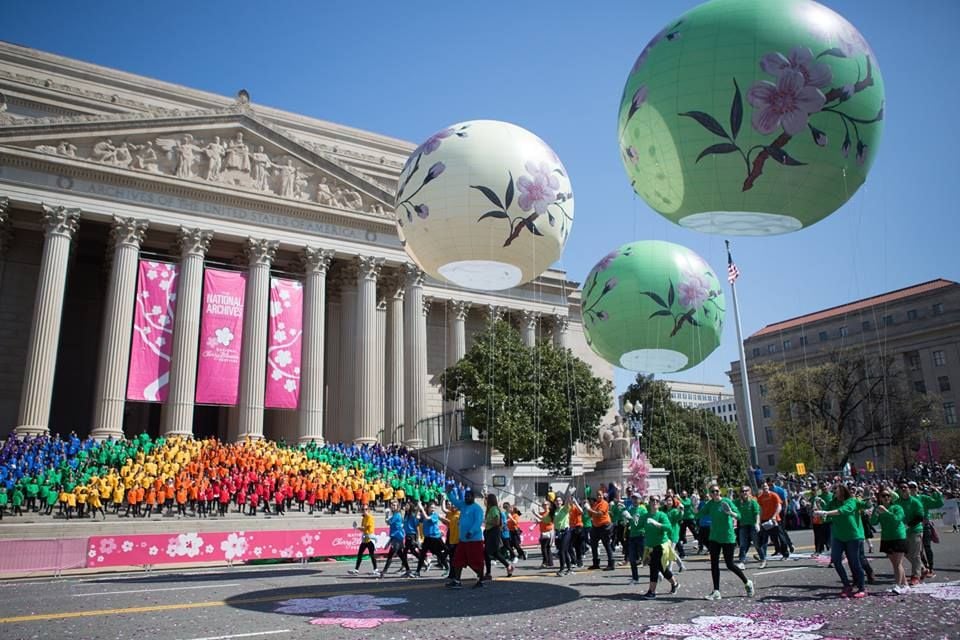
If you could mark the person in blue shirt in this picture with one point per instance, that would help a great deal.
(411, 533)
(469, 551)
(395, 522)
(432, 538)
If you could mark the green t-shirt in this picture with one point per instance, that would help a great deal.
(891, 523)
(561, 519)
(912, 510)
(749, 511)
(687, 509)
(616, 513)
(675, 515)
(637, 520)
(721, 522)
(654, 536)
(847, 525)
(930, 502)
(3, 498)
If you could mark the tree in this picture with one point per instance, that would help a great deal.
(849, 403)
(694, 444)
(530, 403)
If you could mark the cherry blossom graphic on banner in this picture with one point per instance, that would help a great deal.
(347, 611)
(152, 342)
(284, 341)
(221, 334)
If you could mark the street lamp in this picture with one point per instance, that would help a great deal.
(925, 423)
(633, 416)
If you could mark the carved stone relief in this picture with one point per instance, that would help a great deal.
(220, 159)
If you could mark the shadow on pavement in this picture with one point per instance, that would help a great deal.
(421, 599)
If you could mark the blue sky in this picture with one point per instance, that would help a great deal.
(558, 68)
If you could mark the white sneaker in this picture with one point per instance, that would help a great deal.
(378, 573)
(713, 595)
(749, 588)
(353, 572)
(763, 564)
(634, 582)
(741, 566)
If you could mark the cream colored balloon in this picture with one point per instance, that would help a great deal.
(484, 205)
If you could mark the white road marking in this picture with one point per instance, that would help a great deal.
(245, 635)
(112, 593)
(766, 573)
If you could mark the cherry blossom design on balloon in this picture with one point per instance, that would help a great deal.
(667, 33)
(739, 628)
(539, 195)
(410, 169)
(590, 305)
(786, 104)
(693, 295)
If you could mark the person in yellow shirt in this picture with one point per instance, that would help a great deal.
(118, 496)
(93, 501)
(70, 498)
(80, 494)
(367, 529)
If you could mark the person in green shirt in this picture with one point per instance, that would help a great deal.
(931, 500)
(3, 500)
(893, 536)
(16, 501)
(847, 530)
(562, 534)
(656, 535)
(722, 514)
(671, 506)
(749, 523)
(636, 517)
(913, 519)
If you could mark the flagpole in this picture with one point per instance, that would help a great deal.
(751, 435)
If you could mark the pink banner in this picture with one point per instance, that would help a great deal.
(239, 546)
(152, 341)
(221, 334)
(27, 556)
(283, 348)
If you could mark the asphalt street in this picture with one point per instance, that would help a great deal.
(796, 599)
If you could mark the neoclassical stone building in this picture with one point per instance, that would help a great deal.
(100, 169)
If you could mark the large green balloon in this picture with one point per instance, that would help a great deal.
(752, 117)
(654, 307)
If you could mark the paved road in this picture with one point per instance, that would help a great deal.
(796, 599)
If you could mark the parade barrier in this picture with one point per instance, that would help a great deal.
(236, 546)
(53, 554)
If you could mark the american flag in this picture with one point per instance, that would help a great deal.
(732, 271)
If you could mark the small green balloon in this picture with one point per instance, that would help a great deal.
(653, 307)
(752, 117)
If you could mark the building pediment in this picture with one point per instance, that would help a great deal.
(227, 148)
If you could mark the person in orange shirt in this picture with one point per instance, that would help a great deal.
(515, 542)
(578, 540)
(602, 529)
(182, 502)
(348, 498)
(151, 501)
(770, 508)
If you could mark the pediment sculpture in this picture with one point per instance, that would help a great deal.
(228, 160)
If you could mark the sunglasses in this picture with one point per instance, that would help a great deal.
(714, 490)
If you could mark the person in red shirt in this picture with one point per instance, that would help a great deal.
(771, 507)
(602, 529)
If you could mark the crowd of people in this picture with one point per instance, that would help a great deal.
(652, 531)
(72, 478)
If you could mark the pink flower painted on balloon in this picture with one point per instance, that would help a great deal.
(737, 628)
(360, 620)
(539, 189)
(788, 103)
(432, 143)
(693, 291)
(668, 33)
(815, 74)
(607, 260)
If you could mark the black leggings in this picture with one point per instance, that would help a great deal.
(727, 548)
(493, 548)
(564, 538)
(366, 545)
(545, 549)
(396, 549)
(437, 548)
(656, 559)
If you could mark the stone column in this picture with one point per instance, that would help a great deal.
(178, 418)
(494, 313)
(415, 362)
(5, 235)
(364, 397)
(394, 370)
(528, 326)
(316, 263)
(380, 353)
(348, 352)
(332, 359)
(561, 334)
(60, 224)
(126, 235)
(456, 349)
(253, 356)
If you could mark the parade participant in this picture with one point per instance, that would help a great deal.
(913, 519)
(656, 535)
(703, 525)
(602, 528)
(516, 540)
(493, 538)
(366, 528)
(432, 537)
(687, 523)
(394, 519)
(748, 525)
(561, 527)
(931, 498)
(545, 521)
(470, 548)
(893, 536)
(783, 536)
(771, 507)
(411, 533)
(722, 512)
(577, 535)
(847, 531)
(636, 527)
(671, 506)
(451, 518)
(821, 528)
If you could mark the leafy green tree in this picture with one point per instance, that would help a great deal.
(848, 403)
(694, 444)
(530, 403)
